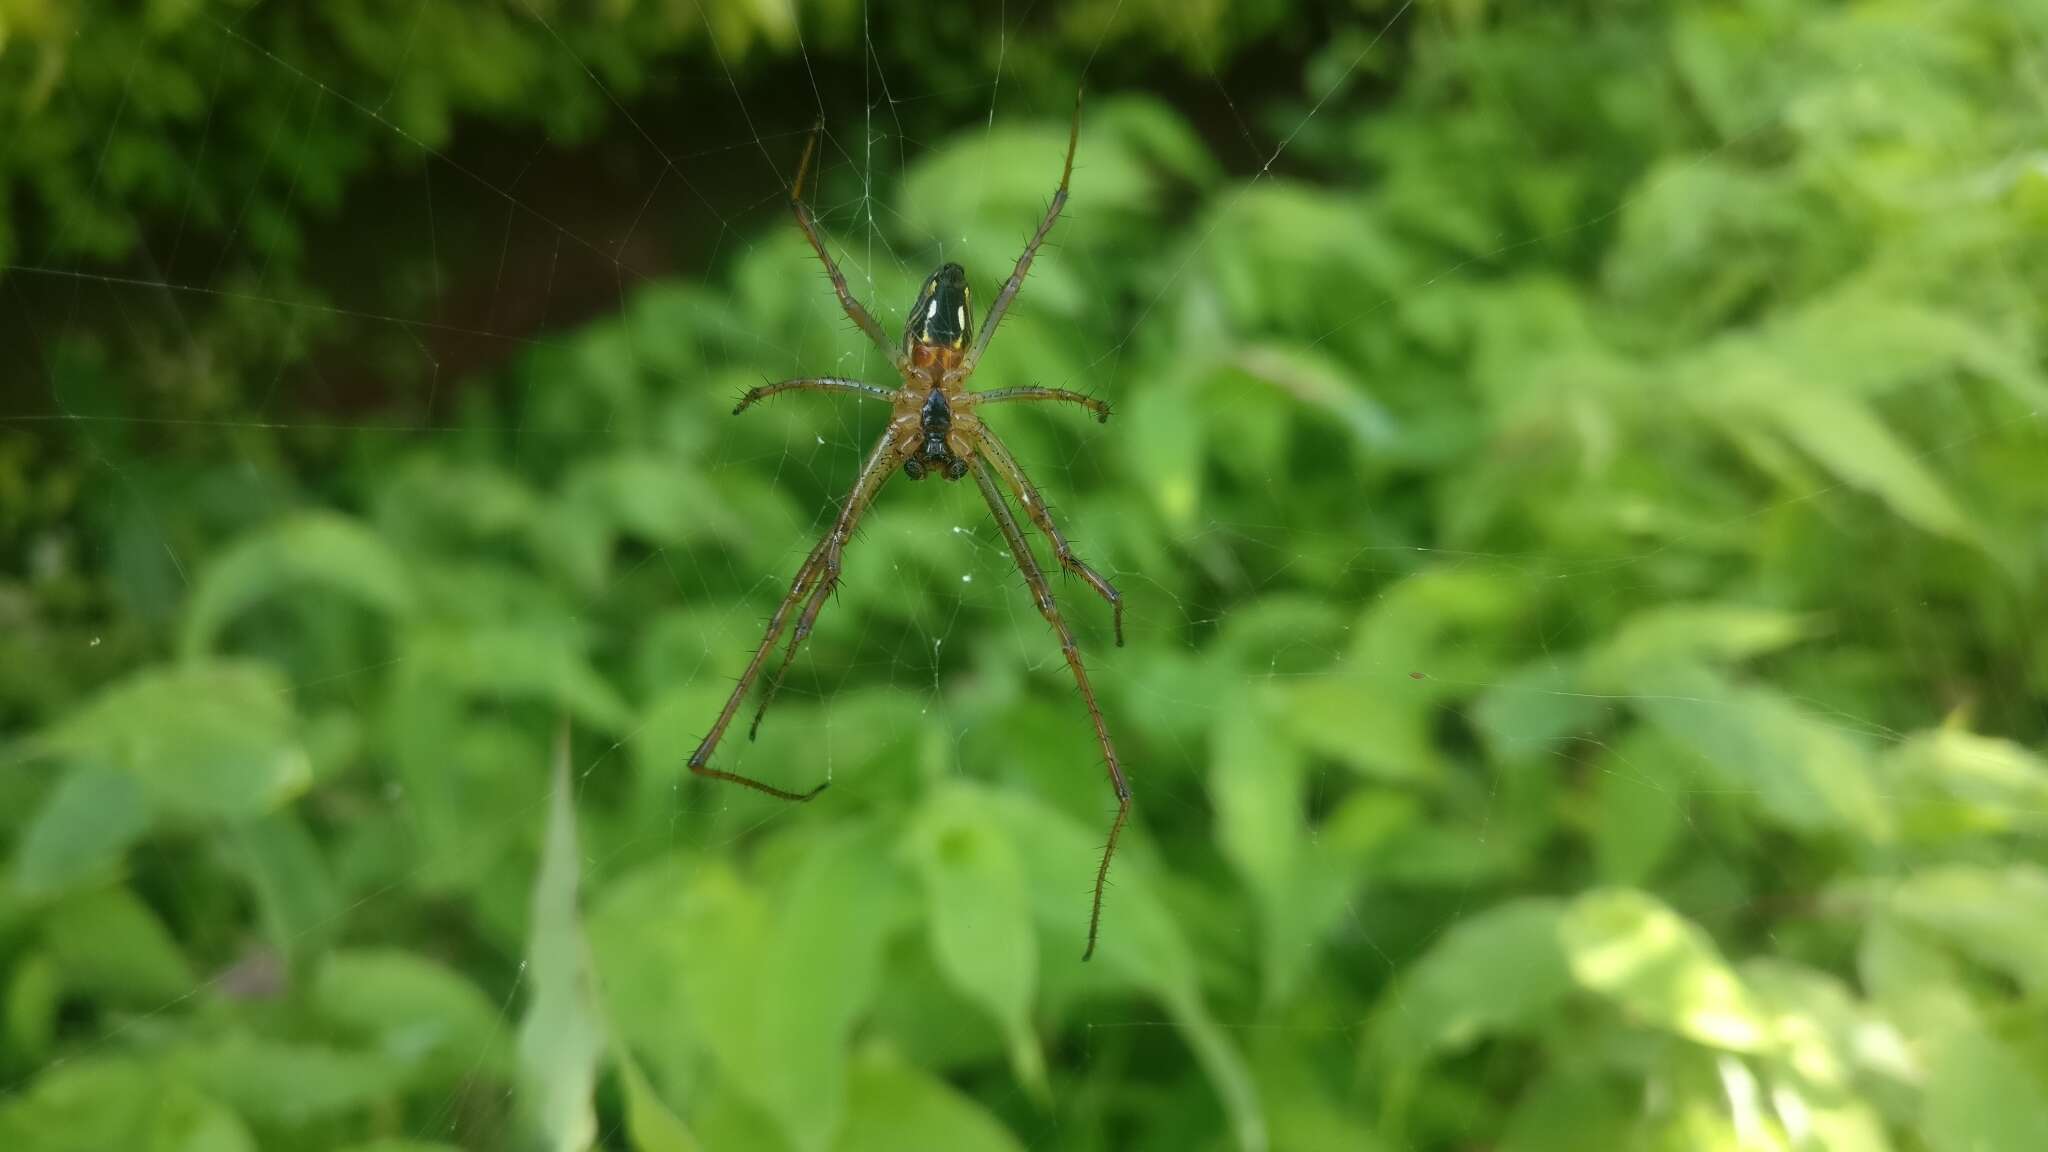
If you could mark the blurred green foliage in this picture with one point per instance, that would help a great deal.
(1580, 511)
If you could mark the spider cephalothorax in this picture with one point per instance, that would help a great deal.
(934, 451)
(934, 427)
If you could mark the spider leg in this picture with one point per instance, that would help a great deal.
(853, 307)
(999, 395)
(812, 384)
(1042, 594)
(1016, 280)
(820, 590)
(823, 564)
(1034, 507)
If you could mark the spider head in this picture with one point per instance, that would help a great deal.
(943, 316)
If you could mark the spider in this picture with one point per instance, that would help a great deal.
(935, 430)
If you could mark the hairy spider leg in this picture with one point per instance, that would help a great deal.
(813, 384)
(1016, 280)
(853, 306)
(1041, 593)
(1034, 507)
(824, 559)
(1033, 392)
(821, 589)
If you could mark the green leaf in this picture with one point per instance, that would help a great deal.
(205, 740)
(1258, 784)
(299, 903)
(415, 1010)
(1701, 631)
(1318, 381)
(776, 994)
(1806, 774)
(320, 549)
(980, 918)
(1140, 943)
(1497, 971)
(894, 1107)
(1982, 1097)
(650, 1126)
(1998, 785)
(1641, 801)
(1566, 1112)
(94, 1105)
(82, 830)
(1530, 710)
(561, 1038)
(1997, 917)
(513, 661)
(277, 1082)
(1658, 968)
(35, 994)
(640, 936)
(109, 943)
(1166, 444)
(1843, 434)
(1378, 727)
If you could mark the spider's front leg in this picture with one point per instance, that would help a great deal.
(812, 384)
(855, 310)
(822, 564)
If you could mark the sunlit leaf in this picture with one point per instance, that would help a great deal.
(1658, 968)
(1997, 917)
(1982, 1097)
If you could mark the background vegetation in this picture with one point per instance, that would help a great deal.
(1581, 510)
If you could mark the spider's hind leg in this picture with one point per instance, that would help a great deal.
(820, 569)
(1034, 576)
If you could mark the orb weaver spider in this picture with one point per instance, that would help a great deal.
(935, 430)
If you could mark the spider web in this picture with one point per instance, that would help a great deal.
(527, 253)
